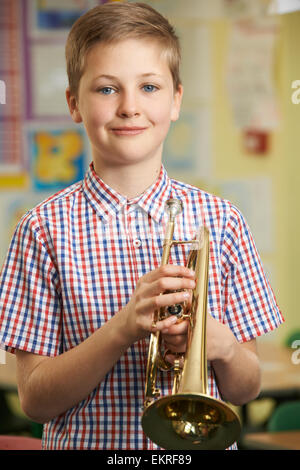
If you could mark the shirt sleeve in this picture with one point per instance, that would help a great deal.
(250, 307)
(30, 307)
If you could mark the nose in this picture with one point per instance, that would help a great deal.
(128, 106)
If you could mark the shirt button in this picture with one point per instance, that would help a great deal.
(137, 243)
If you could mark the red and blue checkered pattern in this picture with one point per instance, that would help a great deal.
(74, 262)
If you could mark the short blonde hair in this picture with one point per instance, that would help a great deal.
(113, 22)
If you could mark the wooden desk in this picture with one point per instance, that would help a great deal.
(279, 375)
(283, 440)
(8, 373)
(280, 378)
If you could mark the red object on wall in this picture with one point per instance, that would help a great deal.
(256, 142)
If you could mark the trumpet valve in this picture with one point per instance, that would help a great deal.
(180, 310)
(176, 310)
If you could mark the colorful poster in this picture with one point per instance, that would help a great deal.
(11, 156)
(48, 81)
(192, 9)
(250, 80)
(57, 158)
(13, 205)
(48, 18)
(187, 148)
(16, 206)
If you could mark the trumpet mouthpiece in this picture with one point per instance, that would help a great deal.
(174, 207)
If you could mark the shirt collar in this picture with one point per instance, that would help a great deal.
(107, 202)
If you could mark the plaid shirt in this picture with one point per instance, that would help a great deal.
(74, 262)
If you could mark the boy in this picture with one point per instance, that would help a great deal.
(82, 278)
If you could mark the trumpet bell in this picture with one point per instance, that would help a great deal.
(191, 421)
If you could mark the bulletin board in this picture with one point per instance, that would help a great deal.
(42, 151)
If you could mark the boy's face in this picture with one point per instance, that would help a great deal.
(126, 101)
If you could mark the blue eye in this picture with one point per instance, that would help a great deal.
(107, 90)
(149, 88)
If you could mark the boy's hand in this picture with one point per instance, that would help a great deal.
(175, 340)
(219, 338)
(147, 299)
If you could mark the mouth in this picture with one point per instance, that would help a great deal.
(132, 130)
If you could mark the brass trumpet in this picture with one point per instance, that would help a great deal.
(189, 418)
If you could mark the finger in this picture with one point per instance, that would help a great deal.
(179, 328)
(169, 270)
(177, 349)
(172, 357)
(171, 298)
(166, 323)
(176, 344)
(149, 305)
(167, 284)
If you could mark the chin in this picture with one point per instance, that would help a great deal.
(133, 157)
(132, 160)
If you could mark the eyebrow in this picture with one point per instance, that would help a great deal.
(112, 77)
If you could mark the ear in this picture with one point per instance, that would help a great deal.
(177, 103)
(73, 106)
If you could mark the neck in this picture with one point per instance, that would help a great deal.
(129, 181)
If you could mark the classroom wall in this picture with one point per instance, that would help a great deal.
(290, 165)
(281, 163)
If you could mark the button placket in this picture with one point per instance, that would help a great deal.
(136, 242)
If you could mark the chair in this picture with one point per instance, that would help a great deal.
(286, 417)
(20, 443)
(293, 336)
